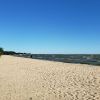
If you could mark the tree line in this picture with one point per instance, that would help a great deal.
(1, 51)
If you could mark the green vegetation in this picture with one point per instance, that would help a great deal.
(1, 51)
(9, 53)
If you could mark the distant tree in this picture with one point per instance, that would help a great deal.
(1, 51)
(9, 52)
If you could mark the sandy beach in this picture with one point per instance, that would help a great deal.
(30, 79)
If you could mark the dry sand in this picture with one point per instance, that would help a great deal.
(29, 79)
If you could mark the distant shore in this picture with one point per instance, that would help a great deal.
(91, 59)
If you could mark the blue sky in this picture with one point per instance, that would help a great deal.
(50, 26)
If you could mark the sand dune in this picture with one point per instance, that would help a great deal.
(29, 79)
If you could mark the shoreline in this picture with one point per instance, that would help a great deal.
(71, 62)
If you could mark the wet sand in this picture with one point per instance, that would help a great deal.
(30, 79)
